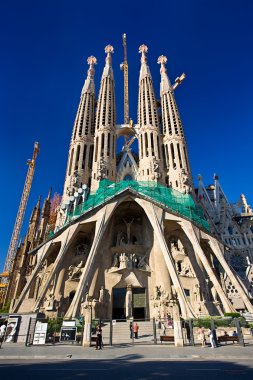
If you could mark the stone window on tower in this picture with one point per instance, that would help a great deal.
(164, 157)
(84, 156)
(141, 154)
(77, 117)
(146, 143)
(173, 156)
(113, 146)
(92, 129)
(91, 156)
(152, 144)
(179, 156)
(102, 144)
(82, 115)
(158, 148)
(186, 159)
(71, 160)
(168, 154)
(96, 152)
(77, 157)
(108, 144)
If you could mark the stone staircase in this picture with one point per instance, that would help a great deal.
(121, 333)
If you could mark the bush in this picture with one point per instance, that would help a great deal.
(5, 309)
(233, 315)
(54, 325)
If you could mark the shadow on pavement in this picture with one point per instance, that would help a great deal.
(124, 368)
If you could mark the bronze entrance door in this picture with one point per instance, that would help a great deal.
(139, 303)
(119, 303)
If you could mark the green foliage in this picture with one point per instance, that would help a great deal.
(227, 321)
(243, 322)
(54, 325)
(233, 315)
(5, 309)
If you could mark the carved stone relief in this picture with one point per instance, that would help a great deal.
(75, 272)
(125, 260)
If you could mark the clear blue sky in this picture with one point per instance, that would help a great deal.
(44, 46)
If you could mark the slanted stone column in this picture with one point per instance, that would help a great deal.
(59, 284)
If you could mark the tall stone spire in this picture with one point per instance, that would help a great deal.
(82, 142)
(150, 139)
(104, 161)
(175, 150)
(45, 215)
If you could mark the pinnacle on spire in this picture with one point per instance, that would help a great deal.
(144, 72)
(91, 62)
(143, 49)
(89, 82)
(39, 200)
(49, 193)
(109, 50)
(165, 85)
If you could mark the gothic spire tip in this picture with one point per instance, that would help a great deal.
(109, 50)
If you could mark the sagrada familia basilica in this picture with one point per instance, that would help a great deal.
(133, 237)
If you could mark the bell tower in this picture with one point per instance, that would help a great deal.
(150, 138)
(82, 141)
(178, 174)
(104, 161)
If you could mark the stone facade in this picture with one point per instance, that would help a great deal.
(128, 253)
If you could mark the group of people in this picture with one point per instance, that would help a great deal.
(212, 336)
(134, 329)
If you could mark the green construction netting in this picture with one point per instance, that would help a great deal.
(177, 202)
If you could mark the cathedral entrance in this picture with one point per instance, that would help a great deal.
(119, 303)
(129, 302)
(139, 303)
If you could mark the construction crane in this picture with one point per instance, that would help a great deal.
(124, 67)
(21, 212)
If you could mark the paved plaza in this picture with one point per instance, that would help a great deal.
(138, 352)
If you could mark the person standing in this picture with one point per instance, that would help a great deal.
(99, 338)
(212, 338)
(136, 329)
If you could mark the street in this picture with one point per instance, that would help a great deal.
(128, 367)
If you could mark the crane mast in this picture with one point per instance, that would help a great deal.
(21, 210)
(124, 66)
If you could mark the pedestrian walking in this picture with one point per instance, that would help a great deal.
(136, 329)
(202, 337)
(164, 329)
(131, 329)
(99, 338)
(2, 333)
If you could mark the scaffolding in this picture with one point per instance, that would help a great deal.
(176, 202)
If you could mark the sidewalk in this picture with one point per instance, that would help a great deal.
(15, 351)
